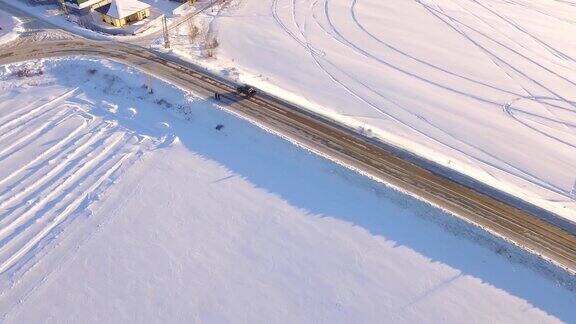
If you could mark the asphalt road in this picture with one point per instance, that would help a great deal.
(525, 225)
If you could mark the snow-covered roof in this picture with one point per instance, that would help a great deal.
(81, 3)
(122, 8)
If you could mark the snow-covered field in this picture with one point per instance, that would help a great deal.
(121, 205)
(9, 27)
(484, 87)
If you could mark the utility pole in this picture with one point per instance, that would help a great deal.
(165, 32)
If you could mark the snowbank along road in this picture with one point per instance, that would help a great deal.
(326, 137)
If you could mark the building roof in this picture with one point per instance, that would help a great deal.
(122, 8)
(82, 3)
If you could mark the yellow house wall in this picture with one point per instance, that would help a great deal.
(139, 15)
(113, 21)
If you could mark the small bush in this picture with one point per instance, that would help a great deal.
(163, 102)
(209, 53)
(212, 43)
(27, 73)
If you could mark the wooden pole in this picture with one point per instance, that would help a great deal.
(165, 31)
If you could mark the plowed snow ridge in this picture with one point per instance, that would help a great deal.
(54, 155)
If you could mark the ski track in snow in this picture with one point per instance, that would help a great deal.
(544, 121)
(79, 152)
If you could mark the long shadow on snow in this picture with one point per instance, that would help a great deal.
(324, 188)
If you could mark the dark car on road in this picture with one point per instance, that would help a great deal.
(246, 91)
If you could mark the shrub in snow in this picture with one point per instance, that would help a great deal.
(211, 42)
(193, 32)
(27, 72)
(163, 102)
(209, 53)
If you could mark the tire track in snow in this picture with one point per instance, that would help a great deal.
(357, 22)
(67, 258)
(46, 153)
(56, 189)
(494, 58)
(392, 117)
(38, 169)
(61, 217)
(36, 133)
(544, 13)
(520, 174)
(287, 30)
(15, 129)
(555, 52)
(32, 112)
(8, 106)
(438, 13)
(510, 111)
(513, 40)
(17, 111)
(26, 230)
(418, 117)
(60, 162)
(529, 93)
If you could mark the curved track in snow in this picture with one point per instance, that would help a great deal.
(303, 19)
